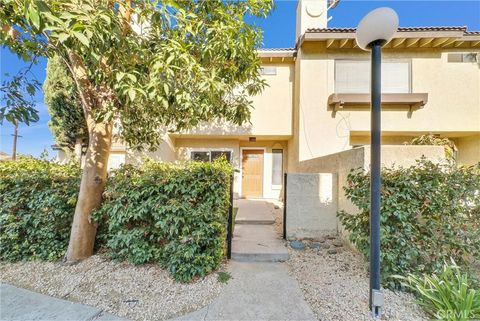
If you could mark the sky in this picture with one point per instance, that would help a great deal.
(279, 32)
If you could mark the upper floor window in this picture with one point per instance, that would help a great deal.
(463, 57)
(268, 70)
(353, 76)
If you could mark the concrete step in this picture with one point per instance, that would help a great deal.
(258, 243)
(254, 210)
(255, 222)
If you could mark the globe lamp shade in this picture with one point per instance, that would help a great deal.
(379, 24)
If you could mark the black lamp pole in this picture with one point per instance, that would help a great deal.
(375, 179)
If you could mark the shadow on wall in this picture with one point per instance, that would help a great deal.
(165, 152)
(219, 127)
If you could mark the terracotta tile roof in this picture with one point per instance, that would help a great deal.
(400, 29)
(276, 49)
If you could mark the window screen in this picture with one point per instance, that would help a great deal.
(277, 166)
(353, 76)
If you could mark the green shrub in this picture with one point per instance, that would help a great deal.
(172, 214)
(447, 296)
(429, 212)
(37, 202)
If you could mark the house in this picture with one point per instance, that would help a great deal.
(4, 156)
(317, 102)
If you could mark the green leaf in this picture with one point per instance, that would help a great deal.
(81, 37)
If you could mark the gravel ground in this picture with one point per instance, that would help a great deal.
(136, 292)
(277, 212)
(336, 286)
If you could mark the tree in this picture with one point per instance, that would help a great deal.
(17, 97)
(151, 64)
(67, 122)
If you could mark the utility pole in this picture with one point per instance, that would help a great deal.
(15, 137)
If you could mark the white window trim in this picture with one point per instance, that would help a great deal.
(407, 60)
(274, 186)
(264, 189)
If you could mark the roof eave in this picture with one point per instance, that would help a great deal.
(443, 36)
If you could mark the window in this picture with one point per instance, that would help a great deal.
(201, 156)
(218, 154)
(268, 70)
(353, 76)
(277, 166)
(462, 57)
(208, 156)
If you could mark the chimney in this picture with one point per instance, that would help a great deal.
(310, 14)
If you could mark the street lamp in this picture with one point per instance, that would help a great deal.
(375, 30)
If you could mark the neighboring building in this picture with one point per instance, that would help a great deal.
(4, 156)
(317, 102)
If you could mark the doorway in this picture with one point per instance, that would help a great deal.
(252, 173)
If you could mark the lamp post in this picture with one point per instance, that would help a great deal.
(374, 31)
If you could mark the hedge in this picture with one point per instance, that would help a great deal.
(175, 215)
(429, 214)
(37, 202)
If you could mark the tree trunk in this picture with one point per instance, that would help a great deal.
(94, 176)
(78, 150)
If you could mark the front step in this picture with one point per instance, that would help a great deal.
(258, 243)
(255, 222)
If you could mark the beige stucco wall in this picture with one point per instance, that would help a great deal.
(453, 107)
(312, 205)
(165, 152)
(271, 113)
(341, 163)
(468, 149)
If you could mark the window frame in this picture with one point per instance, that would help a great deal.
(407, 60)
(277, 186)
(210, 150)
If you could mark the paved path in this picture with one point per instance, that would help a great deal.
(257, 291)
(260, 288)
(254, 238)
(23, 305)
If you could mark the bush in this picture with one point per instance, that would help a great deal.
(447, 296)
(171, 214)
(429, 213)
(37, 202)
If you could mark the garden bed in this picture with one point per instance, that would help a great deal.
(336, 286)
(144, 292)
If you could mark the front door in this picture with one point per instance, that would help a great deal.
(252, 173)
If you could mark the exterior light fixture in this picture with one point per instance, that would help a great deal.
(374, 31)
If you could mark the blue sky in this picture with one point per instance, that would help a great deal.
(279, 31)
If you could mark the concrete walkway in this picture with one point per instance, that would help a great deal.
(254, 238)
(257, 291)
(260, 288)
(23, 305)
